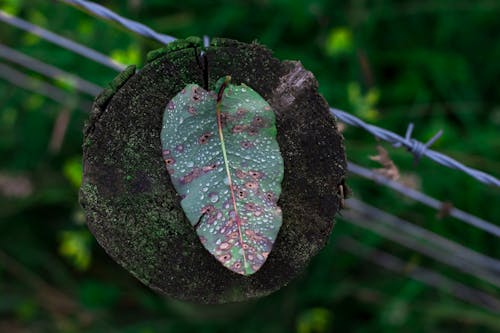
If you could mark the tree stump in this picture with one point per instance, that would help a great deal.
(132, 208)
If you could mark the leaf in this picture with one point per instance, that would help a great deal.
(389, 170)
(221, 152)
(339, 41)
(75, 245)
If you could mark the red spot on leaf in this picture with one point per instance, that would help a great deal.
(209, 209)
(191, 110)
(225, 258)
(240, 194)
(252, 185)
(246, 144)
(204, 138)
(240, 174)
(241, 112)
(238, 128)
(255, 174)
(210, 167)
(193, 174)
(252, 131)
(196, 94)
(258, 122)
(166, 152)
(270, 196)
(250, 206)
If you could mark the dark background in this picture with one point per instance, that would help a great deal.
(434, 63)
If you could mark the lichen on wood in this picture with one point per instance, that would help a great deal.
(132, 208)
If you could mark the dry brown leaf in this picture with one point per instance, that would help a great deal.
(389, 170)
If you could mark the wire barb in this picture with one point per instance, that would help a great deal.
(419, 149)
(416, 147)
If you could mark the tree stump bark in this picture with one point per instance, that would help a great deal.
(133, 210)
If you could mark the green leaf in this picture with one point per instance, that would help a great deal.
(221, 153)
(339, 41)
(73, 171)
(75, 245)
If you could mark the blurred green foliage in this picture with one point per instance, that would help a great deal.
(434, 63)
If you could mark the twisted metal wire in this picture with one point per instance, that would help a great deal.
(48, 70)
(61, 41)
(42, 88)
(423, 241)
(416, 147)
(109, 15)
(419, 273)
(424, 198)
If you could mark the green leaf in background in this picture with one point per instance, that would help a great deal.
(131, 55)
(339, 41)
(363, 106)
(221, 153)
(73, 171)
(75, 245)
(315, 320)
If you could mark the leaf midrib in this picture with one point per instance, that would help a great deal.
(226, 165)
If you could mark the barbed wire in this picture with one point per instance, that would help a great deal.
(61, 41)
(423, 241)
(48, 70)
(424, 199)
(416, 147)
(45, 89)
(130, 25)
(419, 273)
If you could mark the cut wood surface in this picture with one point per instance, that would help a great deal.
(132, 208)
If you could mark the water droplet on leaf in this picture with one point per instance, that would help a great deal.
(213, 197)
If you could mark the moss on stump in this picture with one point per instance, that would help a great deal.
(133, 210)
